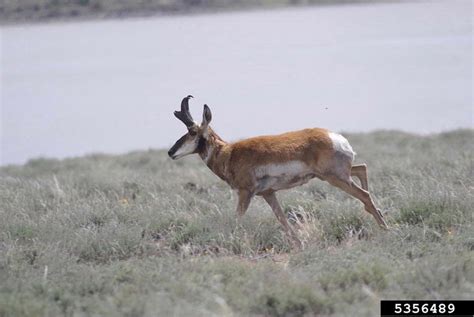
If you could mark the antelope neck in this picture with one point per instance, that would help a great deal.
(211, 153)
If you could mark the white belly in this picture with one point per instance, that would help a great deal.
(277, 176)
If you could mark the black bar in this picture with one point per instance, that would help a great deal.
(453, 308)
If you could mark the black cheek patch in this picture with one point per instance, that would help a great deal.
(177, 145)
(202, 145)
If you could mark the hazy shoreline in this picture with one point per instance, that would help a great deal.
(44, 159)
(86, 10)
(112, 86)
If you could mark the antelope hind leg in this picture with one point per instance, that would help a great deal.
(360, 171)
(354, 190)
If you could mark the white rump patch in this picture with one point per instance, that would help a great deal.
(341, 144)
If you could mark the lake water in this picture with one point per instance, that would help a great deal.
(111, 86)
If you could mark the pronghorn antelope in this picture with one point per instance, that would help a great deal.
(266, 164)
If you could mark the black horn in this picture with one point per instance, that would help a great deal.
(184, 115)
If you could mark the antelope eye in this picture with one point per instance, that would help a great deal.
(193, 133)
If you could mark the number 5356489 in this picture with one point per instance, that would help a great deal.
(416, 308)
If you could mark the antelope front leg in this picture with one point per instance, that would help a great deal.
(245, 197)
(273, 202)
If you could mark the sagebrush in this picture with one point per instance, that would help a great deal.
(141, 235)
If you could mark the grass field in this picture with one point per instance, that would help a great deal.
(142, 235)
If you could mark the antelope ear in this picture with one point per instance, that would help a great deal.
(206, 116)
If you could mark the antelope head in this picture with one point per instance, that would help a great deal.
(197, 134)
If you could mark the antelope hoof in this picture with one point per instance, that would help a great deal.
(380, 220)
(297, 244)
(379, 212)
